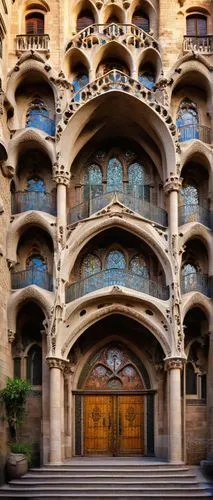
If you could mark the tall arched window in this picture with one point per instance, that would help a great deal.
(188, 121)
(93, 182)
(114, 175)
(138, 181)
(85, 18)
(196, 25)
(115, 260)
(138, 266)
(38, 117)
(34, 365)
(141, 20)
(81, 79)
(191, 380)
(35, 24)
(90, 265)
(189, 197)
(189, 277)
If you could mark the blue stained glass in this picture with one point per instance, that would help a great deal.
(136, 174)
(36, 185)
(37, 262)
(93, 175)
(115, 260)
(190, 276)
(114, 175)
(138, 266)
(188, 121)
(147, 79)
(190, 195)
(189, 269)
(90, 265)
(78, 84)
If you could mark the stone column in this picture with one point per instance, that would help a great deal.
(171, 188)
(69, 422)
(174, 367)
(56, 366)
(61, 176)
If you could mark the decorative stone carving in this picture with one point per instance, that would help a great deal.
(61, 175)
(11, 336)
(58, 363)
(173, 183)
(174, 363)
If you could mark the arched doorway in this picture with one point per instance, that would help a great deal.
(114, 405)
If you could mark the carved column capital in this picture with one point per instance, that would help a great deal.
(58, 363)
(61, 175)
(174, 364)
(11, 336)
(173, 183)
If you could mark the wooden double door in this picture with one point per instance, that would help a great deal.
(113, 424)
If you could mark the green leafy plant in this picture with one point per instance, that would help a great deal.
(25, 448)
(14, 397)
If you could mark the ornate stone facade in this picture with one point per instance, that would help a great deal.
(106, 215)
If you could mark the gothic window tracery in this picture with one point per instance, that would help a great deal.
(114, 175)
(90, 265)
(189, 199)
(93, 182)
(138, 180)
(138, 266)
(190, 274)
(115, 260)
(188, 121)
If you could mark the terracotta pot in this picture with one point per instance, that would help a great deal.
(17, 465)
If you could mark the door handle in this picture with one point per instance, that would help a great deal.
(120, 425)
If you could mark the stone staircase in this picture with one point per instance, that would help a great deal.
(112, 479)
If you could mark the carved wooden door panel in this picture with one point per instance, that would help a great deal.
(98, 414)
(130, 418)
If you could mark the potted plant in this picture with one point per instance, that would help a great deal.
(14, 397)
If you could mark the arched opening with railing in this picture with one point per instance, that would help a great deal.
(195, 268)
(115, 257)
(32, 187)
(193, 197)
(35, 260)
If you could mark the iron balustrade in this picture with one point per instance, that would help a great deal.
(31, 276)
(119, 277)
(201, 44)
(32, 42)
(42, 122)
(196, 282)
(194, 213)
(194, 131)
(141, 206)
(112, 30)
(22, 201)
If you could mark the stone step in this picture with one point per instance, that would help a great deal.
(97, 495)
(104, 479)
(100, 470)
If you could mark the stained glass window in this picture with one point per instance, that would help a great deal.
(90, 265)
(114, 175)
(138, 182)
(93, 182)
(36, 184)
(115, 260)
(190, 195)
(37, 262)
(147, 79)
(189, 272)
(80, 81)
(139, 266)
(188, 121)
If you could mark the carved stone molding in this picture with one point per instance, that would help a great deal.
(58, 363)
(11, 336)
(61, 175)
(173, 183)
(174, 363)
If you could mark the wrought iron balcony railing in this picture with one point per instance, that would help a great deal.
(39, 43)
(22, 201)
(189, 132)
(99, 33)
(200, 44)
(141, 206)
(196, 282)
(42, 122)
(31, 276)
(119, 277)
(194, 213)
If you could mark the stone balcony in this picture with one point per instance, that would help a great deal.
(99, 34)
(31, 276)
(194, 213)
(116, 277)
(141, 206)
(22, 201)
(197, 282)
(39, 43)
(190, 132)
(198, 44)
